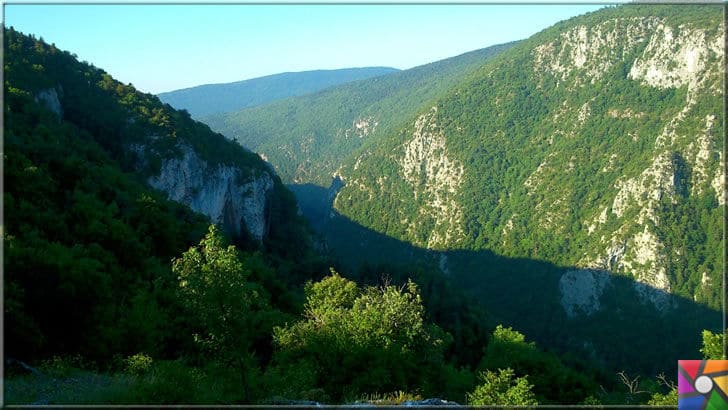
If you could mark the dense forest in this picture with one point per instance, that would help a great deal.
(560, 164)
(211, 99)
(307, 137)
(114, 294)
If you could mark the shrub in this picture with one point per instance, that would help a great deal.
(138, 364)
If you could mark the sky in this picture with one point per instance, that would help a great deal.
(161, 48)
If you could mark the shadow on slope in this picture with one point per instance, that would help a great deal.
(626, 332)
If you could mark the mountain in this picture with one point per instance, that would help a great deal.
(596, 145)
(211, 99)
(104, 185)
(306, 138)
(590, 153)
(569, 186)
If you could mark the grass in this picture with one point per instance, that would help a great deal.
(80, 388)
(164, 382)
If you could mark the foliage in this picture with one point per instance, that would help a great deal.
(81, 233)
(389, 399)
(227, 311)
(138, 363)
(355, 340)
(446, 304)
(714, 345)
(554, 381)
(668, 399)
(502, 389)
(213, 284)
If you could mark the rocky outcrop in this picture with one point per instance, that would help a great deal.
(675, 57)
(49, 98)
(581, 290)
(435, 177)
(221, 192)
(362, 127)
(623, 223)
(589, 52)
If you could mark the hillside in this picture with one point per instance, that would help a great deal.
(84, 227)
(596, 146)
(535, 223)
(306, 138)
(209, 99)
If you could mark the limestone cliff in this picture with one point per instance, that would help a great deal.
(221, 192)
(49, 99)
(595, 144)
(657, 54)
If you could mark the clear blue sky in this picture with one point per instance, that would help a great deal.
(167, 47)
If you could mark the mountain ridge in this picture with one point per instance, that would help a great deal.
(306, 137)
(209, 99)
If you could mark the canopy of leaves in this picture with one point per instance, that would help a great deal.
(502, 389)
(358, 340)
(214, 286)
(714, 345)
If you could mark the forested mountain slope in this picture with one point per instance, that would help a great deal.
(87, 240)
(597, 143)
(212, 99)
(113, 294)
(576, 178)
(306, 138)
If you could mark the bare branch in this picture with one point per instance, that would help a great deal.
(662, 379)
(632, 384)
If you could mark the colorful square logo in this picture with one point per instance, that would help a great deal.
(702, 384)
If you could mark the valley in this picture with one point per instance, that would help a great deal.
(535, 222)
(579, 149)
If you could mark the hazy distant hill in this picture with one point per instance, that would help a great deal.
(219, 98)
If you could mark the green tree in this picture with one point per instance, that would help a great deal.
(667, 399)
(502, 389)
(227, 310)
(554, 381)
(713, 345)
(355, 341)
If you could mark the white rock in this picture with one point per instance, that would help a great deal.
(49, 99)
(216, 192)
(426, 166)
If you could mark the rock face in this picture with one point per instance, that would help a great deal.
(581, 290)
(658, 55)
(219, 192)
(612, 162)
(434, 178)
(590, 51)
(49, 99)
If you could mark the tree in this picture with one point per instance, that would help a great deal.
(554, 381)
(502, 389)
(355, 341)
(227, 310)
(667, 399)
(713, 345)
